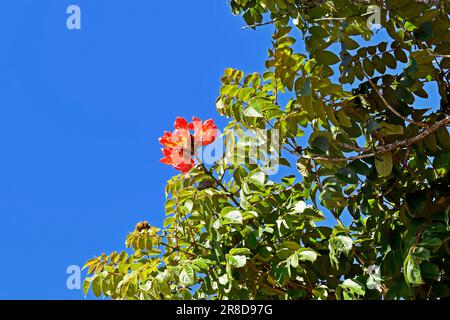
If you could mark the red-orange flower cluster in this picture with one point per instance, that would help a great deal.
(179, 145)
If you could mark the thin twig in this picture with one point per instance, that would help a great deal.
(439, 55)
(330, 19)
(263, 23)
(391, 108)
(177, 249)
(350, 147)
(209, 173)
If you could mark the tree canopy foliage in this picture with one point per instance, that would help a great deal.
(361, 136)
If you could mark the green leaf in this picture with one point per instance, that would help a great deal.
(240, 251)
(252, 240)
(187, 276)
(231, 215)
(223, 279)
(320, 292)
(412, 271)
(91, 262)
(86, 285)
(319, 32)
(97, 286)
(254, 109)
(379, 64)
(321, 143)
(257, 177)
(420, 254)
(252, 112)
(303, 87)
(354, 287)
(293, 260)
(409, 26)
(390, 129)
(282, 32)
(343, 119)
(443, 137)
(342, 244)
(431, 142)
(404, 95)
(337, 246)
(350, 43)
(327, 57)
(245, 93)
(384, 164)
(186, 295)
(425, 31)
(309, 65)
(368, 67)
(288, 180)
(299, 207)
(303, 167)
(431, 242)
(305, 254)
(373, 282)
(347, 175)
(201, 264)
(429, 270)
(237, 261)
(359, 167)
(389, 60)
(400, 55)
(292, 245)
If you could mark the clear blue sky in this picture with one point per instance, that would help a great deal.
(80, 114)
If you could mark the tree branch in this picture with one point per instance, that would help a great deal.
(385, 148)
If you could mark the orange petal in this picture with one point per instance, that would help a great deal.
(180, 123)
(166, 160)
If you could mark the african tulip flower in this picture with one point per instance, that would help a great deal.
(204, 132)
(179, 145)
